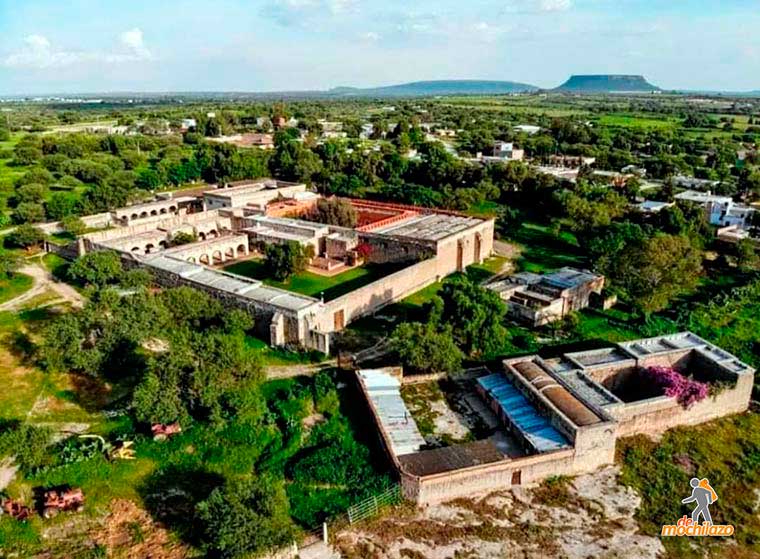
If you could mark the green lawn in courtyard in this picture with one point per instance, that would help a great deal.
(308, 283)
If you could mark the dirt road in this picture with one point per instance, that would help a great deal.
(43, 280)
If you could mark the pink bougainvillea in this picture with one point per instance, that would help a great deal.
(685, 390)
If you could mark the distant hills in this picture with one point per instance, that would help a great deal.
(606, 83)
(439, 87)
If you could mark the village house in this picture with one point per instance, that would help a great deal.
(537, 300)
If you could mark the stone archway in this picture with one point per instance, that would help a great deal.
(143, 214)
(133, 216)
(135, 249)
(460, 256)
(149, 248)
(202, 236)
(153, 212)
(478, 243)
(204, 259)
(242, 249)
(162, 211)
(230, 253)
(212, 234)
(217, 257)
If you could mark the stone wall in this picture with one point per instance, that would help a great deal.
(374, 296)
(656, 415)
(393, 250)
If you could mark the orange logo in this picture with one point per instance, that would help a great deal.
(702, 495)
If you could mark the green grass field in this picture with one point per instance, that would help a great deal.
(636, 121)
(727, 452)
(543, 250)
(314, 285)
(14, 286)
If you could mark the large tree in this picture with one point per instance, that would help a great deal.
(335, 211)
(651, 272)
(474, 313)
(424, 349)
(96, 268)
(284, 260)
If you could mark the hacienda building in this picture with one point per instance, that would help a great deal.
(419, 245)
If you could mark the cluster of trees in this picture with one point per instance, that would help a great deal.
(334, 211)
(650, 263)
(186, 353)
(464, 319)
(78, 174)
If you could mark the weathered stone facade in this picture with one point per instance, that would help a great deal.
(578, 394)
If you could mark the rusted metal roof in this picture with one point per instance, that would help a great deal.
(450, 458)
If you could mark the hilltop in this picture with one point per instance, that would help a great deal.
(606, 83)
(439, 87)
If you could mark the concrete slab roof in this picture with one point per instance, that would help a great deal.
(249, 288)
(430, 227)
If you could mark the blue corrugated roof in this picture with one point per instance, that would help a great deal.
(536, 428)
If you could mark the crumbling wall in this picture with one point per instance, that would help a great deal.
(394, 250)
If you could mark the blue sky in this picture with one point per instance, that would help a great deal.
(263, 45)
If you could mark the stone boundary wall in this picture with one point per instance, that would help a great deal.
(374, 296)
(261, 312)
(656, 415)
(95, 221)
(465, 482)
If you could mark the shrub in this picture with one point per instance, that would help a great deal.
(246, 517)
(25, 236)
(685, 390)
(26, 442)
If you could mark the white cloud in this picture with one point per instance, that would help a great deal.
(554, 5)
(538, 6)
(296, 12)
(38, 52)
(370, 36)
(133, 40)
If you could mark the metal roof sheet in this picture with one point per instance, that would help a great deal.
(384, 393)
(536, 428)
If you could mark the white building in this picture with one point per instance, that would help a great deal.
(527, 129)
(721, 210)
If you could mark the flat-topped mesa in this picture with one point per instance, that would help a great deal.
(607, 83)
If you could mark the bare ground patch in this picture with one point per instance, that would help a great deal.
(589, 516)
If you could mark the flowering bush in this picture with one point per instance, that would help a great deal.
(364, 250)
(685, 390)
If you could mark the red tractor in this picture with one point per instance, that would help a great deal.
(62, 500)
(16, 510)
(162, 432)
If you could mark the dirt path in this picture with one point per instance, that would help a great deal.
(290, 371)
(510, 251)
(42, 281)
